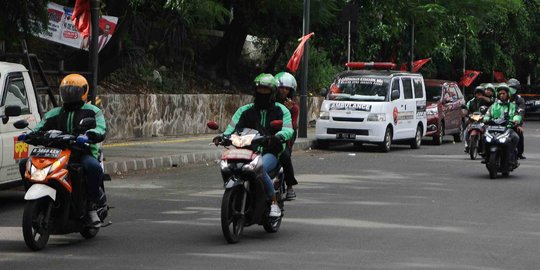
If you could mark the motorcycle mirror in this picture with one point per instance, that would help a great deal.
(21, 124)
(88, 123)
(276, 124)
(483, 109)
(212, 125)
(323, 91)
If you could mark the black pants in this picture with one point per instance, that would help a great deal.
(288, 170)
(521, 143)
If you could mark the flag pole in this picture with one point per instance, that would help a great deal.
(302, 125)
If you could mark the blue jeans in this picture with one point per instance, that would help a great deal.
(94, 175)
(269, 162)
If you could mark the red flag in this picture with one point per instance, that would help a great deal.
(293, 63)
(468, 77)
(81, 17)
(416, 64)
(499, 76)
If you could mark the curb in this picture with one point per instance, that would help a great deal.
(122, 167)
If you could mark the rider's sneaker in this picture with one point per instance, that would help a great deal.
(93, 219)
(521, 156)
(274, 210)
(466, 149)
(290, 194)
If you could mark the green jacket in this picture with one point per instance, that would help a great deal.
(68, 121)
(497, 111)
(248, 117)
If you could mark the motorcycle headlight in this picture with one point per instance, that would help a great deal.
(432, 111)
(502, 140)
(376, 117)
(39, 175)
(324, 115)
(488, 138)
(224, 165)
(251, 166)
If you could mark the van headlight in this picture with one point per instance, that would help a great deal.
(377, 117)
(324, 115)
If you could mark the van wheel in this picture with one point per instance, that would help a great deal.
(417, 141)
(387, 143)
(321, 144)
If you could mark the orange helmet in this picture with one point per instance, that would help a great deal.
(73, 89)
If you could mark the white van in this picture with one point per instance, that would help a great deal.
(373, 106)
(16, 89)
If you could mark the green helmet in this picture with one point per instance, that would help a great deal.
(286, 79)
(503, 87)
(265, 79)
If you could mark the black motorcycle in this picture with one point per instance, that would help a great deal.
(245, 201)
(497, 145)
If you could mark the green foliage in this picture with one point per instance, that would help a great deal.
(321, 70)
(22, 17)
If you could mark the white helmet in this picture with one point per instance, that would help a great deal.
(286, 79)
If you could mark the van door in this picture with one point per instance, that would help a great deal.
(420, 100)
(14, 93)
(408, 115)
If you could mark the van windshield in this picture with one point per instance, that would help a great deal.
(433, 93)
(367, 88)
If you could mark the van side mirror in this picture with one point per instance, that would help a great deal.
(394, 95)
(323, 91)
(21, 124)
(10, 110)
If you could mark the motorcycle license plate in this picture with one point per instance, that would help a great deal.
(349, 136)
(45, 152)
(497, 128)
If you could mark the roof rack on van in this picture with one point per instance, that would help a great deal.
(371, 65)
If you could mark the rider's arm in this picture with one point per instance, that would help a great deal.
(98, 133)
(235, 119)
(487, 117)
(46, 121)
(286, 131)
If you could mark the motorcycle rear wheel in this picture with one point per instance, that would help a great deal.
(232, 221)
(473, 147)
(493, 165)
(36, 230)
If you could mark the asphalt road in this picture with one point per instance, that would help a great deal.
(357, 208)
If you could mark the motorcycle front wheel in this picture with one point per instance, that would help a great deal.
(493, 164)
(232, 219)
(35, 227)
(473, 147)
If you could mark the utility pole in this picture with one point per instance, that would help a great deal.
(302, 128)
(411, 58)
(94, 50)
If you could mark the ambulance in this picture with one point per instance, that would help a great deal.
(378, 105)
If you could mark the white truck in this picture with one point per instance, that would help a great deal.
(18, 101)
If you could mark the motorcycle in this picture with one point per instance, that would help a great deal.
(497, 145)
(476, 131)
(56, 198)
(245, 201)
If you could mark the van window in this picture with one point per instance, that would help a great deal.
(395, 86)
(407, 88)
(418, 91)
(15, 94)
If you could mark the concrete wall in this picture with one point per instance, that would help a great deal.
(143, 116)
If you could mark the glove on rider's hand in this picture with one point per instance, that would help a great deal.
(91, 135)
(217, 140)
(22, 137)
(82, 139)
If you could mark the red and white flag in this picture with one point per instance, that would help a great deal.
(81, 17)
(468, 77)
(416, 64)
(293, 63)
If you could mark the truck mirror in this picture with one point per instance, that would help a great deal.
(10, 110)
(21, 124)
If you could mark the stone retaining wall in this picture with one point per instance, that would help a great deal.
(143, 116)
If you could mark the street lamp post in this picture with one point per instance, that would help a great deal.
(94, 50)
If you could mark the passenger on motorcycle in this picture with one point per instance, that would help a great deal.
(489, 94)
(285, 95)
(258, 115)
(472, 106)
(503, 108)
(73, 93)
(515, 86)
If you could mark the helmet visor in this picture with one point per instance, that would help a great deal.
(71, 93)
